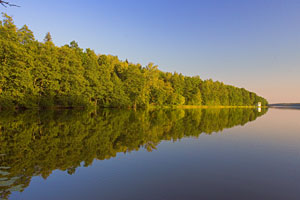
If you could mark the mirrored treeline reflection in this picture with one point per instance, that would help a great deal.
(35, 144)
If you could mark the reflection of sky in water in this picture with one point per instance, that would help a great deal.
(259, 160)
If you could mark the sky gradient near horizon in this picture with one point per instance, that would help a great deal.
(253, 44)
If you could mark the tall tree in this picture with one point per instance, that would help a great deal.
(48, 37)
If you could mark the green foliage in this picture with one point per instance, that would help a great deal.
(35, 144)
(40, 74)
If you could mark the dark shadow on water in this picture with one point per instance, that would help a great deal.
(35, 144)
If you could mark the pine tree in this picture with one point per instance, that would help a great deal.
(48, 37)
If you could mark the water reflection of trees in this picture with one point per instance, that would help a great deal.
(34, 144)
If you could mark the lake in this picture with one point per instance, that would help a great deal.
(154, 154)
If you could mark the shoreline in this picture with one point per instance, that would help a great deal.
(149, 107)
(205, 107)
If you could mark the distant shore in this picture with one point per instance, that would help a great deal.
(285, 105)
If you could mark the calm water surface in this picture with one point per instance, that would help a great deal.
(162, 154)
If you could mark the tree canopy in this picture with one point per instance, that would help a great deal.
(41, 74)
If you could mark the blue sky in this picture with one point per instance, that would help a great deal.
(253, 44)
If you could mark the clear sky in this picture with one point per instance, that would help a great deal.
(253, 44)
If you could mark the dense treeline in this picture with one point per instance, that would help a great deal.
(40, 74)
(36, 144)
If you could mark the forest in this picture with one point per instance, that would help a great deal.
(40, 74)
(35, 144)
